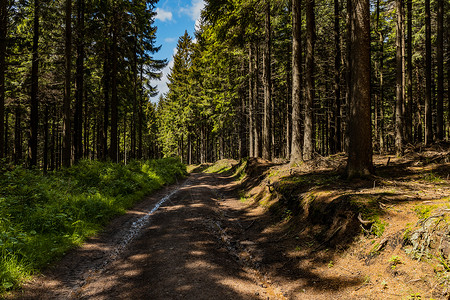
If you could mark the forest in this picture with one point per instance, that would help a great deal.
(271, 79)
(74, 81)
(260, 82)
(280, 79)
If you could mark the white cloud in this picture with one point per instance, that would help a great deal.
(163, 15)
(170, 40)
(194, 10)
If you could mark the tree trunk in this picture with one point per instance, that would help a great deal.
(106, 88)
(124, 139)
(448, 83)
(250, 101)
(18, 135)
(53, 139)
(308, 144)
(428, 108)
(381, 97)
(135, 100)
(440, 71)
(189, 155)
(288, 114)
(86, 128)
(267, 86)
(296, 148)
(67, 147)
(3, 30)
(34, 117)
(6, 134)
(141, 112)
(348, 75)
(79, 92)
(336, 129)
(256, 106)
(360, 137)
(399, 80)
(202, 144)
(409, 70)
(113, 154)
(46, 138)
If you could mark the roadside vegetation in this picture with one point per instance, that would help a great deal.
(43, 216)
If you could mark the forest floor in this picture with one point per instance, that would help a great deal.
(279, 232)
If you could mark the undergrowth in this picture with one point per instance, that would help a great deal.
(43, 216)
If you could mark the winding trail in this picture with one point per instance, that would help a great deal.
(176, 244)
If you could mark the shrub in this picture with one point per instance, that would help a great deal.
(43, 216)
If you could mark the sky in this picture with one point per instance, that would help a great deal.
(172, 19)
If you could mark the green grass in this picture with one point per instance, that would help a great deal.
(43, 216)
(219, 167)
(432, 177)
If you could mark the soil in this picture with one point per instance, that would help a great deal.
(217, 238)
(185, 251)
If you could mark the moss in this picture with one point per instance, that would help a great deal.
(424, 211)
(240, 173)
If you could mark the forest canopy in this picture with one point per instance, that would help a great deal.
(271, 79)
(274, 79)
(75, 81)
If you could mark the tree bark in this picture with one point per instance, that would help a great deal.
(448, 83)
(6, 134)
(296, 148)
(308, 145)
(113, 151)
(399, 80)
(256, 105)
(53, 139)
(86, 128)
(360, 136)
(266, 153)
(380, 116)
(106, 89)
(135, 100)
(67, 145)
(428, 108)
(250, 101)
(45, 166)
(336, 129)
(3, 30)
(141, 114)
(18, 135)
(79, 92)
(440, 71)
(288, 114)
(409, 70)
(34, 101)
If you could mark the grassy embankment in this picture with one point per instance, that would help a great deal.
(391, 231)
(43, 216)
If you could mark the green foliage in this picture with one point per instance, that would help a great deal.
(240, 170)
(220, 166)
(330, 264)
(395, 260)
(424, 211)
(41, 217)
(378, 226)
(431, 177)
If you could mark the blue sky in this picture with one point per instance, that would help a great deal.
(173, 18)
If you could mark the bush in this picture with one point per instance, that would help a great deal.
(43, 216)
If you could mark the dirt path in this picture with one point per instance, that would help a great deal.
(182, 250)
